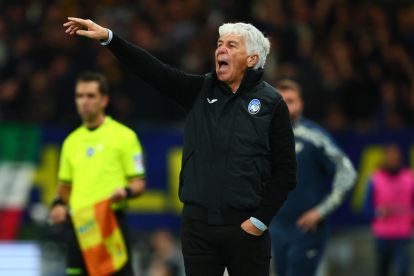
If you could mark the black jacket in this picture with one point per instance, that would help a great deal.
(239, 157)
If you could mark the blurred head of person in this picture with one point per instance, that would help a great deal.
(292, 95)
(240, 46)
(92, 97)
(392, 161)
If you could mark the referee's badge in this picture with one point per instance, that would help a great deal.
(254, 106)
(90, 151)
(138, 163)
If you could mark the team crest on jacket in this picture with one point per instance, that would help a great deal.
(254, 106)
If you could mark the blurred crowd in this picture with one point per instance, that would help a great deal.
(354, 59)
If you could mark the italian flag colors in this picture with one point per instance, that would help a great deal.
(100, 239)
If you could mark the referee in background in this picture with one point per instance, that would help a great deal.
(101, 159)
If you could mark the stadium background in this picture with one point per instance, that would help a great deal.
(354, 59)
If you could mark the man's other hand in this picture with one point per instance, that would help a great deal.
(308, 222)
(248, 227)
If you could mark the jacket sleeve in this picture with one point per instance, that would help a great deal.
(180, 86)
(335, 161)
(283, 164)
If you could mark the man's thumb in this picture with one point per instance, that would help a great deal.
(82, 32)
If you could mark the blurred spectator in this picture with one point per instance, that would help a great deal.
(390, 204)
(339, 50)
(165, 258)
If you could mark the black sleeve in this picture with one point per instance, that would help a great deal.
(283, 164)
(176, 84)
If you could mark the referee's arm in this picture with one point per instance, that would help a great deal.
(59, 210)
(136, 187)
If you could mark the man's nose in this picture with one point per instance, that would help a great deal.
(82, 100)
(221, 50)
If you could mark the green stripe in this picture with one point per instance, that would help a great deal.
(19, 142)
(74, 271)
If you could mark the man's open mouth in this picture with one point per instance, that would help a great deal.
(223, 64)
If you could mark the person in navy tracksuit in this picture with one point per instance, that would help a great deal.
(298, 231)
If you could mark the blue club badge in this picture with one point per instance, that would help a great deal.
(254, 106)
(90, 151)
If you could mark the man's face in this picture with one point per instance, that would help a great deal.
(294, 103)
(90, 102)
(232, 59)
(392, 157)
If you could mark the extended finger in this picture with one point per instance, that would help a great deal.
(74, 30)
(82, 32)
(69, 23)
(83, 22)
(69, 29)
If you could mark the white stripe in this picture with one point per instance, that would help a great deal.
(345, 173)
(15, 182)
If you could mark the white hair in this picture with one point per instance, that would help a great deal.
(256, 42)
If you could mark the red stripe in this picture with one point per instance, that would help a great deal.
(105, 218)
(9, 223)
(99, 262)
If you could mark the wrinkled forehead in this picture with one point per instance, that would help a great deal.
(232, 37)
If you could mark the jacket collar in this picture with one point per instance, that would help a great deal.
(250, 79)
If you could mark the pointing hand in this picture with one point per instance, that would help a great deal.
(86, 28)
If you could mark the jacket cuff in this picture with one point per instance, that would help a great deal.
(110, 36)
(258, 224)
(266, 213)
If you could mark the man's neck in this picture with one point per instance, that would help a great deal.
(95, 123)
(295, 119)
(234, 87)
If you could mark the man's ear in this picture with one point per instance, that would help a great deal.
(105, 101)
(252, 60)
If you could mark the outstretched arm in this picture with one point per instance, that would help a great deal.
(175, 83)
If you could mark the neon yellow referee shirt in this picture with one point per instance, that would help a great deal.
(96, 162)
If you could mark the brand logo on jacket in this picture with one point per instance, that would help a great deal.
(211, 101)
(254, 106)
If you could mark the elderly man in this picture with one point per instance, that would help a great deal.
(238, 162)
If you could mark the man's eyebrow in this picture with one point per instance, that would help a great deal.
(85, 92)
(229, 41)
(234, 41)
